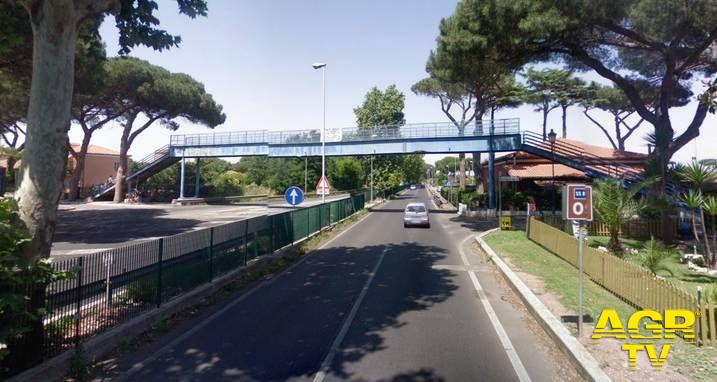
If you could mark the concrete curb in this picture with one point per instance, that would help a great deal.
(95, 348)
(578, 354)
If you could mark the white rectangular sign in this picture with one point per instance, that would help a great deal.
(333, 135)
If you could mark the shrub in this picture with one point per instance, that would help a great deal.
(477, 200)
(228, 183)
(142, 291)
(652, 255)
(56, 332)
(18, 277)
(700, 262)
(614, 205)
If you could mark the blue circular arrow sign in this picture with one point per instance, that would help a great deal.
(293, 195)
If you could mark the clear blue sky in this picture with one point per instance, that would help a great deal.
(255, 58)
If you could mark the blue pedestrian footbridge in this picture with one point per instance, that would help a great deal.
(484, 136)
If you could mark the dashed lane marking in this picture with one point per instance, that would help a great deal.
(335, 346)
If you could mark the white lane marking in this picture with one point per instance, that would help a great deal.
(326, 364)
(502, 335)
(154, 356)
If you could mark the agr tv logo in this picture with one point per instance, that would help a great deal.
(646, 326)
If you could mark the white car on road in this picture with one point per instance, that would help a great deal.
(416, 214)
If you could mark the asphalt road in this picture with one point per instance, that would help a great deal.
(377, 303)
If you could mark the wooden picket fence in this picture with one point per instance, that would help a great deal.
(634, 228)
(638, 228)
(632, 283)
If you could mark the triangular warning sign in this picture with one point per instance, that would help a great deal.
(323, 186)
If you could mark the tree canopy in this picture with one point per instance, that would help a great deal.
(385, 108)
(668, 43)
(449, 95)
(55, 27)
(346, 173)
(612, 100)
(552, 88)
(159, 96)
(381, 108)
(461, 58)
(507, 93)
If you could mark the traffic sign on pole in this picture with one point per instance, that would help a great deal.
(323, 186)
(293, 196)
(578, 202)
(578, 207)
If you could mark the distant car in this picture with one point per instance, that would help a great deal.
(413, 186)
(416, 214)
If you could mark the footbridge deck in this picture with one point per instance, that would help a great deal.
(498, 135)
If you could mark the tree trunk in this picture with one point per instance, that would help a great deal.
(54, 36)
(45, 153)
(657, 166)
(123, 168)
(714, 234)
(477, 169)
(565, 121)
(708, 250)
(614, 245)
(77, 175)
(545, 122)
(618, 134)
(694, 228)
(12, 181)
(462, 170)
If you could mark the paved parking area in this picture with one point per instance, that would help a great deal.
(90, 227)
(84, 228)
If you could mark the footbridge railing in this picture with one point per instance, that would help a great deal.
(351, 134)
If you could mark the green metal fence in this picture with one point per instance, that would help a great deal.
(112, 286)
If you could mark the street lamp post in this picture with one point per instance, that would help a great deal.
(373, 135)
(372, 178)
(551, 137)
(320, 65)
(455, 170)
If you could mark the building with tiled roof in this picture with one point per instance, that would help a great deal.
(546, 174)
(100, 164)
(95, 150)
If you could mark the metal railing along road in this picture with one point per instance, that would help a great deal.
(351, 134)
(115, 285)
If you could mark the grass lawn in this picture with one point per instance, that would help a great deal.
(560, 279)
(628, 243)
(559, 276)
(670, 268)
